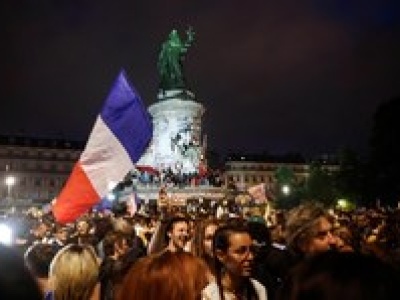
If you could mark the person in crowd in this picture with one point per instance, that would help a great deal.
(233, 252)
(345, 241)
(341, 275)
(143, 229)
(191, 231)
(277, 230)
(84, 233)
(171, 235)
(308, 231)
(38, 258)
(16, 281)
(103, 225)
(119, 257)
(166, 275)
(74, 273)
(203, 240)
(157, 241)
(177, 234)
(126, 226)
(265, 257)
(60, 236)
(40, 233)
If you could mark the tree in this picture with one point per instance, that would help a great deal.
(320, 185)
(287, 191)
(384, 162)
(350, 179)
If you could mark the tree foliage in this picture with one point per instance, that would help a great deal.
(284, 176)
(350, 178)
(320, 185)
(384, 162)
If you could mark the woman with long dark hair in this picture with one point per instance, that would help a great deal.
(203, 240)
(233, 257)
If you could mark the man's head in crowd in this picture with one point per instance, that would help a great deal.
(61, 234)
(309, 229)
(41, 229)
(177, 232)
(82, 227)
(38, 258)
(116, 244)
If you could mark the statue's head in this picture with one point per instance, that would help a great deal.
(174, 36)
(173, 33)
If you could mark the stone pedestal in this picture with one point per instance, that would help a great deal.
(177, 142)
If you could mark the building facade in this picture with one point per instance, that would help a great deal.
(35, 169)
(246, 171)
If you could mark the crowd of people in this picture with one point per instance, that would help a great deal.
(169, 178)
(308, 252)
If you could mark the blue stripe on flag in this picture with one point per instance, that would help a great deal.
(128, 119)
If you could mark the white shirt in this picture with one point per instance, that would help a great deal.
(211, 292)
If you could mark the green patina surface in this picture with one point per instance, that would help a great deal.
(170, 60)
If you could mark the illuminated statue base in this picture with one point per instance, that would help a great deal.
(176, 143)
(177, 147)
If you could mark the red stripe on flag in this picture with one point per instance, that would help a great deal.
(77, 196)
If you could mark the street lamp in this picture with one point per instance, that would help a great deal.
(286, 189)
(10, 182)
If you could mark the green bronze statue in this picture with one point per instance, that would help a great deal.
(170, 60)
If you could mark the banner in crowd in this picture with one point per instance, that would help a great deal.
(257, 192)
(119, 137)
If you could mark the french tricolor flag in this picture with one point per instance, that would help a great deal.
(119, 137)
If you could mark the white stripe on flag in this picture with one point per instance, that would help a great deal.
(104, 158)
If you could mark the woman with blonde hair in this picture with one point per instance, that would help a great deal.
(167, 276)
(74, 274)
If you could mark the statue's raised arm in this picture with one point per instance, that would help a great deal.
(170, 60)
(189, 37)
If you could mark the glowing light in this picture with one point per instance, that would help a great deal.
(342, 203)
(286, 189)
(5, 234)
(10, 181)
(111, 196)
(345, 205)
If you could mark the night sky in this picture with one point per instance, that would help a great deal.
(276, 76)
